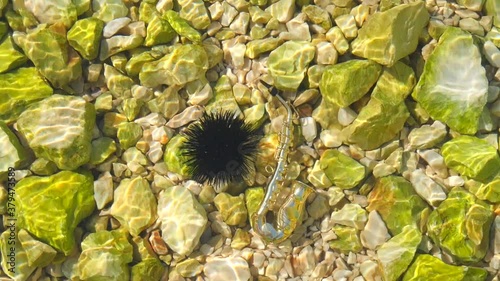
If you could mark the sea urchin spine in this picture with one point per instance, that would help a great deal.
(220, 148)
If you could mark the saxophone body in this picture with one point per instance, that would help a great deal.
(289, 214)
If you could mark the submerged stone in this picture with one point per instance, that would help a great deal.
(159, 31)
(427, 136)
(427, 267)
(382, 39)
(223, 98)
(39, 254)
(53, 11)
(350, 215)
(18, 89)
(174, 160)
(134, 205)
(108, 10)
(22, 269)
(13, 154)
(105, 256)
(231, 208)
(184, 64)
(59, 129)
(148, 269)
(460, 225)
(128, 134)
(345, 83)
(385, 114)
(182, 27)
(66, 198)
(288, 63)
(253, 199)
(49, 51)
(85, 36)
(118, 84)
(347, 240)
(378, 122)
(454, 81)
(395, 255)
(471, 157)
(102, 148)
(182, 217)
(341, 170)
(397, 203)
(10, 58)
(195, 13)
(257, 47)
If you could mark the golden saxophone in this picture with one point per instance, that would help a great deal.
(290, 213)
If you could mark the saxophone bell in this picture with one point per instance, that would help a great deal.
(287, 218)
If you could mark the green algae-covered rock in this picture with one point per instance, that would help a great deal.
(13, 154)
(39, 254)
(395, 199)
(490, 190)
(138, 59)
(395, 83)
(453, 87)
(184, 64)
(53, 11)
(182, 27)
(108, 10)
(288, 63)
(134, 205)
(59, 129)
(128, 134)
(257, 47)
(118, 84)
(341, 170)
(43, 167)
(149, 269)
(105, 256)
(385, 114)
(195, 13)
(351, 215)
(429, 268)
(461, 226)
(347, 240)
(318, 16)
(102, 148)
(10, 58)
(344, 83)
(14, 263)
(395, 255)
(18, 89)
(49, 51)
(66, 198)
(231, 208)
(378, 122)
(173, 157)
(253, 199)
(182, 217)
(85, 36)
(471, 157)
(223, 97)
(492, 8)
(159, 31)
(383, 40)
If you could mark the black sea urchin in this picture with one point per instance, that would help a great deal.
(220, 148)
